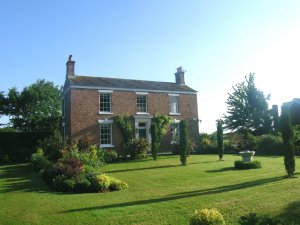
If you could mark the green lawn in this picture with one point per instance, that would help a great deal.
(160, 192)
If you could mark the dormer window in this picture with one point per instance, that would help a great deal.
(105, 102)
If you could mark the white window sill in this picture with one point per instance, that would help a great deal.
(142, 113)
(174, 114)
(107, 146)
(106, 113)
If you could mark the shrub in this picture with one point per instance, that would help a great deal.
(39, 161)
(100, 182)
(116, 185)
(139, 148)
(253, 219)
(68, 185)
(267, 144)
(207, 217)
(69, 167)
(82, 184)
(110, 156)
(57, 182)
(240, 165)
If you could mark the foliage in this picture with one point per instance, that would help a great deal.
(100, 182)
(139, 148)
(19, 146)
(183, 142)
(39, 161)
(162, 122)
(125, 126)
(69, 167)
(254, 219)
(154, 144)
(207, 217)
(82, 185)
(247, 109)
(220, 138)
(287, 136)
(240, 165)
(267, 144)
(117, 185)
(54, 146)
(36, 108)
(110, 156)
(297, 139)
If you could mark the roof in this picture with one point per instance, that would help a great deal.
(127, 84)
(294, 101)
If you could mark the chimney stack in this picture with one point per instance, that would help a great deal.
(179, 76)
(70, 67)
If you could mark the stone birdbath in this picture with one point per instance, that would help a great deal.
(247, 155)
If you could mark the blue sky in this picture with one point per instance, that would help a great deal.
(218, 42)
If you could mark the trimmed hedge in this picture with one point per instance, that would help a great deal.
(240, 165)
(18, 146)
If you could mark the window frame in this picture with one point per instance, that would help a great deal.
(177, 132)
(145, 95)
(172, 96)
(109, 124)
(107, 92)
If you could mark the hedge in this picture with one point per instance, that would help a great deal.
(18, 146)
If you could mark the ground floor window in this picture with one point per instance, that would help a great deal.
(105, 133)
(175, 132)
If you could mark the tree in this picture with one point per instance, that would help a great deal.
(184, 140)
(247, 109)
(287, 137)
(36, 108)
(154, 149)
(220, 138)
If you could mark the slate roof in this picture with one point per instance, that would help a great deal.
(294, 101)
(127, 84)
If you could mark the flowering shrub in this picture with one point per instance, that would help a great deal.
(100, 182)
(207, 217)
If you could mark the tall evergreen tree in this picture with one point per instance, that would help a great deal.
(183, 142)
(287, 137)
(154, 146)
(247, 109)
(220, 138)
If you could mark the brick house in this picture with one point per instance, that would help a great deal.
(91, 103)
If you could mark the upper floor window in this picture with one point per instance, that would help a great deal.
(141, 103)
(105, 101)
(173, 104)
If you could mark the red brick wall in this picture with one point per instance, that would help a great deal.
(84, 113)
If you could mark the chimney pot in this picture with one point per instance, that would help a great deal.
(70, 67)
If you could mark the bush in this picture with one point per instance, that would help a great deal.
(207, 217)
(267, 144)
(139, 148)
(240, 165)
(82, 184)
(110, 156)
(100, 182)
(57, 182)
(39, 161)
(68, 185)
(69, 167)
(253, 219)
(116, 185)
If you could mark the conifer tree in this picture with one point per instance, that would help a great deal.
(183, 142)
(154, 145)
(287, 136)
(220, 138)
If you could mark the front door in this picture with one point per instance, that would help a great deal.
(142, 127)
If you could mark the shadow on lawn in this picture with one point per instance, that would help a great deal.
(182, 195)
(220, 170)
(147, 168)
(19, 177)
(291, 213)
